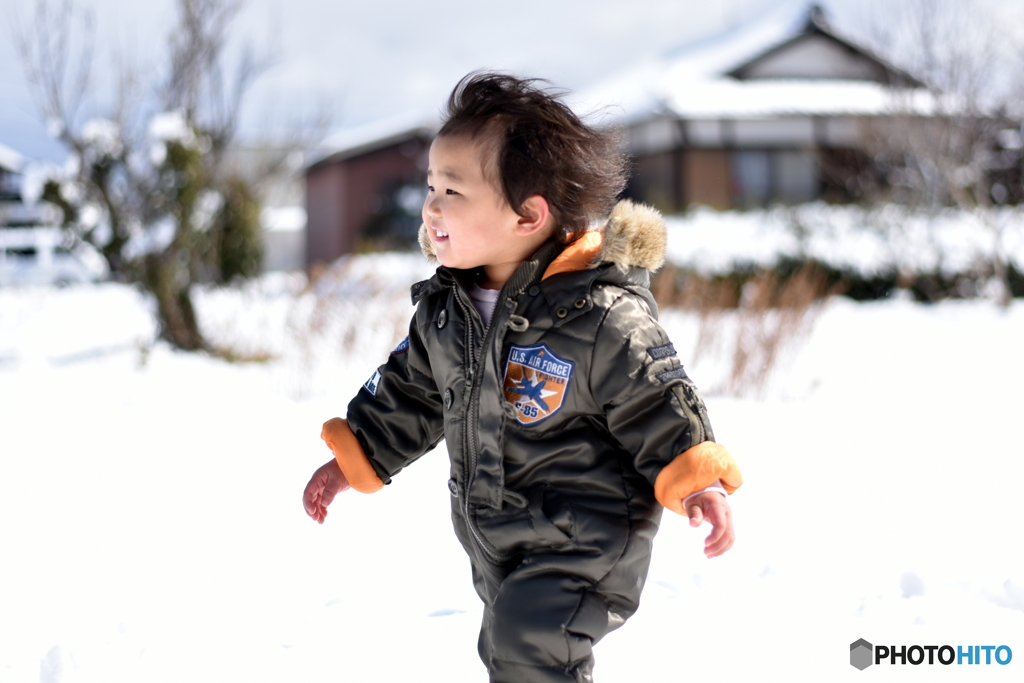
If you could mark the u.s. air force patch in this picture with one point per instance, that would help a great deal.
(536, 382)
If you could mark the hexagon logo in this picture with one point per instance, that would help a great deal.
(861, 654)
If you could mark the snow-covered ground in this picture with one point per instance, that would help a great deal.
(151, 526)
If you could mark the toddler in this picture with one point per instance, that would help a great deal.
(536, 354)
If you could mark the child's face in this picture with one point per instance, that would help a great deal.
(469, 222)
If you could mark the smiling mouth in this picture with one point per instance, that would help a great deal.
(439, 234)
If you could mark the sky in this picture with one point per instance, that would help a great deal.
(367, 60)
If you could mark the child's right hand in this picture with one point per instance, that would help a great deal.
(713, 507)
(327, 482)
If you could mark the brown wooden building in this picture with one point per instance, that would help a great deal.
(365, 192)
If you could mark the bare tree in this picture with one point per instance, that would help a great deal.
(152, 190)
(942, 145)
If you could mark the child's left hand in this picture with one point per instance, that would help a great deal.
(713, 507)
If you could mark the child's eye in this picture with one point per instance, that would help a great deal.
(430, 188)
(450, 192)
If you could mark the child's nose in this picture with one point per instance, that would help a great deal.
(430, 205)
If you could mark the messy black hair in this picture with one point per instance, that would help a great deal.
(540, 147)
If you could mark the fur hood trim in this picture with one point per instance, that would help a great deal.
(633, 237)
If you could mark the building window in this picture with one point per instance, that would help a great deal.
(763, 177)
(796, 177)
(10, 186)
(751, 179)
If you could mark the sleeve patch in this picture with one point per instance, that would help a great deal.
(372, 383)
(659, 352)
(669, 375)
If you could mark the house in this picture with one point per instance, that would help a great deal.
(11, 164)
(771, 112)
(365, 187)
(33, 251)
(15, 212)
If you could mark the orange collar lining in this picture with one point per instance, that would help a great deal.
(577, 256)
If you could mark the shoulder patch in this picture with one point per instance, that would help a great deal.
(402, 346)
(536, 382)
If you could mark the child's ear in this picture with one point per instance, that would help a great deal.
(535, 216)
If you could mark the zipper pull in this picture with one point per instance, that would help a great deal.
(518, 323)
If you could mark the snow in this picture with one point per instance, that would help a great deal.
(151, 526)
(208, 203)
(724, 98)
(103, 137)
(171, 126)
(156, 236)
(868, 242)
(11, 160)
(283, 218)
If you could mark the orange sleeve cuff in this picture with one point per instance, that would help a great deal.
(349, 454)
(695, 469)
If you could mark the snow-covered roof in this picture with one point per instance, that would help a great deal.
(723, 98)
(11, 160)
(699, 80)
(718, 55)
(368, 137)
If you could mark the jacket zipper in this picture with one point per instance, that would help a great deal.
(471, 422)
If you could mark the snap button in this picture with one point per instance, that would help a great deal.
(562, 312)
(453, 488)
(447, 399)
(580, 303)
(442, 319)
(534, 290)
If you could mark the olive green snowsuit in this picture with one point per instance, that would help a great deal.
(558, 417)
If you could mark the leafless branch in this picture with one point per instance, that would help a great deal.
(56, 51)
